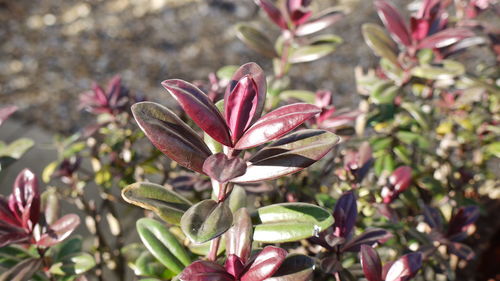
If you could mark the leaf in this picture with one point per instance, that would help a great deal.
(239, 236)
(394, 22)
(302, 95)
(206, 220)
(370, 237)
(171, 135)
(222, 169)
(405, 267)
(163, 245)
(345, 214)
(76, 264)
(445, 38)
(256, 40)
(237, 198)
(168, 205)
(446, 71)
(288, 222)
(22, 271)
(294, 268)
(311, 52)
(276, 124)
(288, 155)
(401, 178)
(59, 230)
(200, 109)
(6, 111)
(320, 22)
(376, 38)
(50, 205)
(25, 199)
(267, 262)
(371, 264)
(240, 106)
(413, 138)
(462, 219)
(273, 12)
(226, 72)
(384, 93)
(416, 113)
(69, 247)
(17, 148)
(205, 271)
(147, 265)
(461, 250)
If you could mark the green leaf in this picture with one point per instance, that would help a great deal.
(68, 247)
(493, 149)
(167, 204)
(226, 72)
(256, 40)
(413, 138)
(302, 95)
(147, 265)
(17, 148)
(206, 220)
(49, 170)
(238, 198)
(416, 113)
(289, 222)
(384, 92)
(311, 52)
(74, 264)
(448, 69)
(162, 244)
(383, 46)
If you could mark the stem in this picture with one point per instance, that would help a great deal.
(214, 247)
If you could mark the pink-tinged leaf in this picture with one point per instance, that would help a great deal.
(288, 155)
(6, 215)
(22, 271)
(254, 71)
(371, 264)
(445, 38)
(200, 109)
(171, 135)
(234, 265)
(6, 111)
(240, 106)
(323, 98)
(433, 217)
(464, 217)
(276, 124)
(370, 237)
(273, 12)
(267, 262)
(461, 250)
(394, 22)
(340, 119)
(205, 271)
(239, 236)
(320, 22)
(401, 178)
(59, 230)
(222, 169)
(25, 200)
(12, 235)
(405, 267)
(345, 214)
(419, 28)
(299, 14)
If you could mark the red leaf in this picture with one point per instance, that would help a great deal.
(345, 214)
(405, 267)
(394, 22)
(205, 271)
(6, 215)
(25, 199)
(12, 235)
(171, 135)
(240, 106)
(320, 22)
(234, 266)
(273, 12)
(267, 262)
(445, 38)
(59, 230)
(200, 108)
(371, 264)
(223, 169)
(297, 11)
(401, 178)
(370, 237)
(6, 111)
(276, 124)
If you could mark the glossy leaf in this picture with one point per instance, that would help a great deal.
(17, 148)
(162, 244)
(380, 43)
(464, 217)
(25, 199)
(294, 268)
(311, 52)
(206, 220)
(370, 237)
(276, 124)
(288, 155)
(256, 40)
(401, 178)
(394, 22)
(239, 236)
(75, 264)
(200, 109)
(22, 271)
(320, 22)
(288, 222)
(345, 214)
(371, 264)
(267, 262)
(240, 106)
(205, 271)
(445, 38)
(405, 267)
(59, 230)
(273, 12)
(384, 93)
(302, 95)
(222, 169)
(6, 111)
(171, 135)
(168, 205)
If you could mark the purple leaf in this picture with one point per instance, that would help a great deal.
(200, 108)
(433, 218)
(239, 236)
(394, 22)
(370, 237)
(371, 264)
(320, 22)
(22, 271)
(463, 218)
(461, 250)
(445, 38)
(25, 199)
(221, 168)
(240, 106)
(295, 268)
(253, 71)
(205, 271)
(267, 262)
(6, 111)
(297, 11)
(273, 12)
(59, 230)
(12, 235)
(171, 135)
(6, 215)
(405, 267)
(276, 124)
(345, 214)
(288, 155)
(234, 265)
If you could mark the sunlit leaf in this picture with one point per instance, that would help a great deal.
(256, 40)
